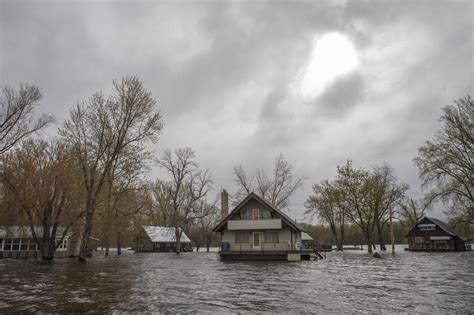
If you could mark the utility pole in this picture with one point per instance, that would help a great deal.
(392, 237)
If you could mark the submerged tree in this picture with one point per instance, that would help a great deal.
(358, 186)
(329, 204)
(276, 187)
(42, 183)
(386, 193)
(16, 115)
(180, 200)
(102, 130)
(447, 162)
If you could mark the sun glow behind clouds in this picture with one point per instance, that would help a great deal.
(333, 56)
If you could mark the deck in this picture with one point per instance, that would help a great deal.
(287, 255)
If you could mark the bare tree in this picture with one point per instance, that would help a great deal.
(200, 231)
(386, 193)
(411, 211)
(447, 163)
(102, 130)
(42, 180)
(16, 115)
(277, 188)
(184, 193)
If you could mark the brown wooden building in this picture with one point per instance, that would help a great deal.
(433, 235)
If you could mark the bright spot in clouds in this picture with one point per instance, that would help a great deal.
(333, 56)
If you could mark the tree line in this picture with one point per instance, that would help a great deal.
(91, 177)
(369, 199)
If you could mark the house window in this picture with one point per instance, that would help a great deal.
(256, 214)
(63, 244)
(246, 214)
(16, 244)
(418, 240)
(24, 244)
(8, 244)
(242, 237)
(271, 237)
(266, 215)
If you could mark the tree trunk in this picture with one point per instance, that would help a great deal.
(208, 248)
(369, 242)
(178, 241)
(380, 235)
(86, 231)
(47, 249)
(119, 246)
(336, 238)
(341, 228)
(107, 245)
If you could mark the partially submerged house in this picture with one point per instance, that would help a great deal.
(433, 235)
(161, 239)
(18, 242)
(255, 229)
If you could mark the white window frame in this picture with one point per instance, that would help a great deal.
(418, 240)
(256, 211)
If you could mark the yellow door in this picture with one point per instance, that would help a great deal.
(256, 240)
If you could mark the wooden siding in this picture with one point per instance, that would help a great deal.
(270, 224)
(427, 244)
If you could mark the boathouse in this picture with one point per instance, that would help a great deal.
(161, 239)
(433, 235)
(255, 229)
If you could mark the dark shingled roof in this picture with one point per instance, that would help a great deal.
(445, 227)
(259, 199)
(449, 230)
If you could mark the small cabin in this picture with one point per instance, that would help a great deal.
(18, 242)
(433, 235)
(161, 239)
(255, 229)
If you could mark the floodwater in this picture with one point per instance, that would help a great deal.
(352, 281)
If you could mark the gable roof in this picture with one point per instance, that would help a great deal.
(446, 228)
(163, 234)
(262, 201)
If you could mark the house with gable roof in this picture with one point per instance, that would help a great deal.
(433, 235)
(255, 229)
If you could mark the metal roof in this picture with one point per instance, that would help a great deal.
(25, 231)
(163, 234)
(306, 237)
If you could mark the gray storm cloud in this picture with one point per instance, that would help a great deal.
(223, 74)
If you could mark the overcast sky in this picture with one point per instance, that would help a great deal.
(242, 81)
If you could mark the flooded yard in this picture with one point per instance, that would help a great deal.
(150, 282)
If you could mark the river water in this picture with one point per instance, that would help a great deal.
(352, 281)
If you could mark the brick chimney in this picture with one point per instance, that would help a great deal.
(224, 203)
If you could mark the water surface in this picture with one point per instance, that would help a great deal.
(345, 282)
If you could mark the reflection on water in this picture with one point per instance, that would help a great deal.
(344, 282)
